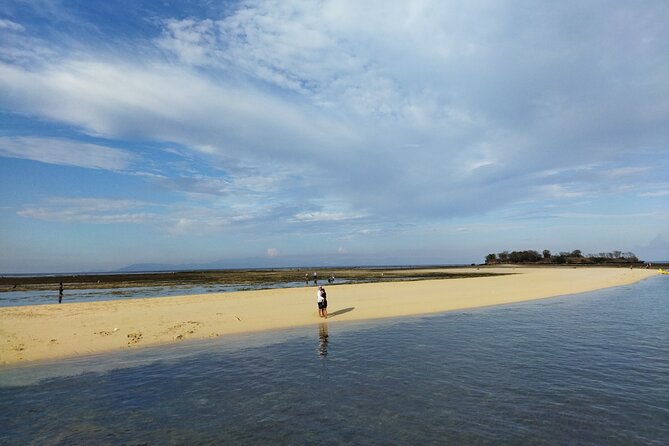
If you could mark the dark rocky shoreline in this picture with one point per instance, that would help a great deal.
(229, 277)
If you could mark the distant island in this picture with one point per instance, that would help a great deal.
(575, 257)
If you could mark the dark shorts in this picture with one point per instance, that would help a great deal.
(321, 305)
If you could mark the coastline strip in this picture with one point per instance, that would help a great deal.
(46, 332)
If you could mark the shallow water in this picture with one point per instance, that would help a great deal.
(40, 297)
(585, 369)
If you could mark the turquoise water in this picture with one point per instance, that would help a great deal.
(590, 369)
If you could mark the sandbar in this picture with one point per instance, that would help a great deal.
(54, 331)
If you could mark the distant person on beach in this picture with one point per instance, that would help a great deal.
(322, 302)
(60, 293)
(315, 278)
(306, 278)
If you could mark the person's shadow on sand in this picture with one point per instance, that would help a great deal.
(338, 312)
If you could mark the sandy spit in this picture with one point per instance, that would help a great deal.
(46, 332)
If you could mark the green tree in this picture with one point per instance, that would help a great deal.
(631, 256)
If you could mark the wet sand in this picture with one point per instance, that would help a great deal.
(41, 332)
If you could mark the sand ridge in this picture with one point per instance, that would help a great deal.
(41, 332)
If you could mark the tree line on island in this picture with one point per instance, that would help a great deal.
(573, 257)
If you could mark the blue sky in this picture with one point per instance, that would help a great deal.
(331, 132)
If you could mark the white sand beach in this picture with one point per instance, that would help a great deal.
(41, 332)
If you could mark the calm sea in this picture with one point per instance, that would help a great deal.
(590, 369)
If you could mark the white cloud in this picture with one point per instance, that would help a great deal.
(178, 218)
(89, 210)
(653, 216)
(325, 216)
(66, 152)
(401, 111)
(656, 193)
(272, 252)
(120, 100)
(11, 26)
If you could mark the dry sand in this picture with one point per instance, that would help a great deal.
(32, 333)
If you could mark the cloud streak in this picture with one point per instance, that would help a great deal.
(67, 153)
(89, 210)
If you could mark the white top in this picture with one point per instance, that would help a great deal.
(320, 295)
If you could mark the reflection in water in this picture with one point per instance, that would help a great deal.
(323, 340)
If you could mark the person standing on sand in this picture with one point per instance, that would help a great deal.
(60, 293)
(322, 303)
(325, 303)
(315, 278)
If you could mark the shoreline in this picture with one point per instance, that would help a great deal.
(49, 332)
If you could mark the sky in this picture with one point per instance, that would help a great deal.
(298, 133)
